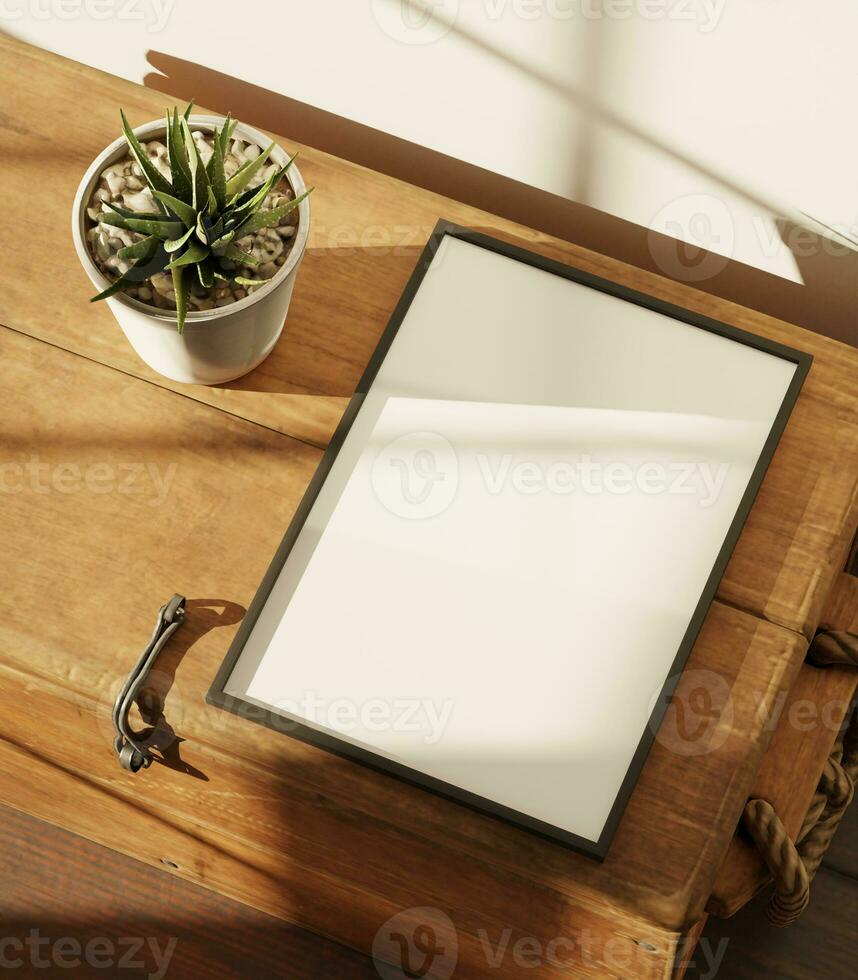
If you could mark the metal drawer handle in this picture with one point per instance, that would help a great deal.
(133, 753)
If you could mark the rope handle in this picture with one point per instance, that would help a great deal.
(794, 864)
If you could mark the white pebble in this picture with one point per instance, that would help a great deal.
(139, 201)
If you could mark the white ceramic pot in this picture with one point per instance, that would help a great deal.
(217, 345)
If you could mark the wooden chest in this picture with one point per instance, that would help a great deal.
(121, 488)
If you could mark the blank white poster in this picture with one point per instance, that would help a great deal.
(502, 563)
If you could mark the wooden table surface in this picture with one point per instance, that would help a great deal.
(120, 488)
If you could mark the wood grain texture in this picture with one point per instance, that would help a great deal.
(120, 488)
(686, 949)
(367, 231)
(64, 886)
(276, 823)
(841, 608)
(808, 723)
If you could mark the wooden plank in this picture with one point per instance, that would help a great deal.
(687, 948)
(841, 613)
(276, 823)
(808, 724)
(64, 886)
(367, 231)
(841, 608)
(820, 944)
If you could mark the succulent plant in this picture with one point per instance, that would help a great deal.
(200, 213)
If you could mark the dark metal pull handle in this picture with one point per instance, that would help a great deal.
(133, 754)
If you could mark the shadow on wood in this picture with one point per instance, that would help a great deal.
(825, 303)
(201, 615)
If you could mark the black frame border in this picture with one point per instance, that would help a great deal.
(597, 849)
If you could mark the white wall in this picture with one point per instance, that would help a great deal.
(697, 117)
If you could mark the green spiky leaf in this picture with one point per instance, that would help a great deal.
(200, 215)
(115, 287)
(164, 228)
(142, 249)
(203, 228)
(249, 201)
(174, 244)
(180, 286)
(156, 180)
(126, 213)
(242, 177)
(216, 173)
(264, 219)
(195, 252)
(244, 281)
(184, 212)
(224, 239)
(235, 254)
(205, 274)
(142, 270)
(199, 177)
(148, 266)
(179, 169)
